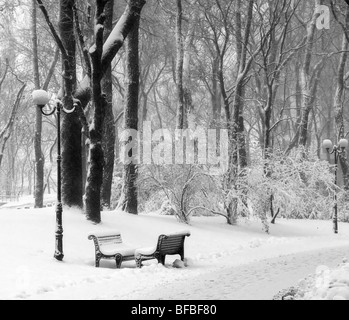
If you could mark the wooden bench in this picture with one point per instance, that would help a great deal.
(110, 246)
(169, 244)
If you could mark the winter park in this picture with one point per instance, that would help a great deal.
(189, 150)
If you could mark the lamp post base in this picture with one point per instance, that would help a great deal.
(59, 256)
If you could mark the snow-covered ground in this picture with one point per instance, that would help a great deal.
(226, 262)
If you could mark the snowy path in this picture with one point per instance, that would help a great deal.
(258, 280)
(242, 262)
(255, 281)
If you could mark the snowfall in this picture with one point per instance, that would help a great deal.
(223, 262)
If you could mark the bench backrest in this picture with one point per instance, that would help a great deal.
(171, 244)
(106, 240)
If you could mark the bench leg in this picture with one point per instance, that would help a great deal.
(118, 260)
(139, 261)
(98, 259)
(161, 259)
(182, 254)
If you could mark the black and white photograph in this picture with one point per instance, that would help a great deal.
(173, 155)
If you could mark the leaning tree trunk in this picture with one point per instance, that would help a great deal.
(129, 198)
(39, 157)
(109, 134)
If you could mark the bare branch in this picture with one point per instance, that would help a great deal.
(53, 30)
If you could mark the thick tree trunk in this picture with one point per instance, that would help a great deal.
(109, 137)
(39, 157)
(95, 172)
(129, 198)
(72, 191)
(240, 156)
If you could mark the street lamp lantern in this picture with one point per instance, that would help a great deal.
(42, 99)
(328, 145)
(337, 150)
(343, 144)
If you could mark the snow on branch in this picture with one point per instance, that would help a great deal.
(117, 37)
(112, 45)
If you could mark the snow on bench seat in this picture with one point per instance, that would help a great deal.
(109, 245)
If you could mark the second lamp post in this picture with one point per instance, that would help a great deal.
(337, 151)
(41, 99)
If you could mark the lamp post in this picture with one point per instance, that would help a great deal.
(337, 150)
(41, 99)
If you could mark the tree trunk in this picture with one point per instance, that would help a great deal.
(339, 103)
(309, 101)
(95, 172)
(179, 67)
(240, 156)
(109, 137)
(129, 199)
(39, 157)
(72, 191)
(187, 78)
(216, 95)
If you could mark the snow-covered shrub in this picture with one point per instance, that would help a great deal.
(343, 204)
(167, 209)
(296, 187)
(302, 188)
(183, 188)
(292, 186)
(325, 284)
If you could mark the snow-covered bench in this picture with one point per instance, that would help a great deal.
(109, 246)
(169, 244)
